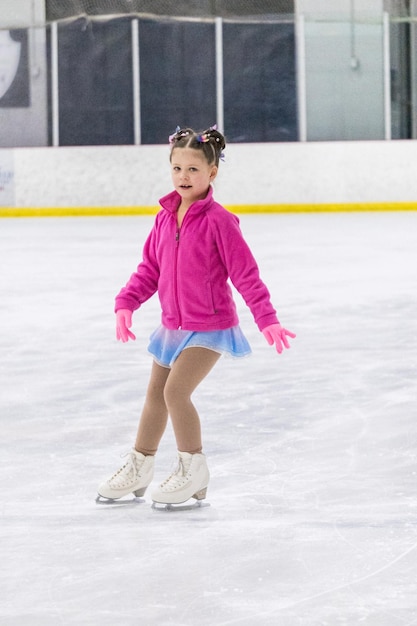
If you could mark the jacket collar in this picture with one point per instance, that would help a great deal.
(172, 201)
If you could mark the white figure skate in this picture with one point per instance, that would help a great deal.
(189, 480)
(133, 477)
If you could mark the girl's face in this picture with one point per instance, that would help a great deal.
(191, 174)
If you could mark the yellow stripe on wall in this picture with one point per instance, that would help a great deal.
(324, 208)
(76, 211)
(240, 208)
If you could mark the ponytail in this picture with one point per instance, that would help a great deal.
(211, 142)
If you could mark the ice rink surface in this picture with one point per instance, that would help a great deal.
(313, 454)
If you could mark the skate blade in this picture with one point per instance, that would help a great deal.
(160, 506)
(119, 501)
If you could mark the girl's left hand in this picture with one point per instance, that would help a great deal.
(276, 334)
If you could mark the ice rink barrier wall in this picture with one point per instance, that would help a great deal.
(269, 177)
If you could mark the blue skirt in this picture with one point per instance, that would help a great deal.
(166, 345)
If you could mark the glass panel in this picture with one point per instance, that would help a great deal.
(400, 81)
(177, 77)
(344, 84)
(14, 83)
(260, 102)
(95, 83)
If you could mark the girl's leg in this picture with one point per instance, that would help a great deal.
(137, 472)
(154, 416)
(191, 367)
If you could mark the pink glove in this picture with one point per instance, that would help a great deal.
(276, 334)
(123, 323)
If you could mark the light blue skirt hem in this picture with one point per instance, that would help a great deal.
(166, 345)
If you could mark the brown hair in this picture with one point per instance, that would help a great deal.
(210, 142)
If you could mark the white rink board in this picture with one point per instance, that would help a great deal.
(296, 174)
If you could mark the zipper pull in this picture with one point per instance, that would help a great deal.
(177, 236)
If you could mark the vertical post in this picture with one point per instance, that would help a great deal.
(219, 74)
(136, 82)
(54, 84)
(411, 53)
(387, 75)
(33, 33)
(354, 62)
(301, 76)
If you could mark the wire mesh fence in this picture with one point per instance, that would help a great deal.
(63, 9)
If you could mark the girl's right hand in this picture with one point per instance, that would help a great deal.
(123, 323)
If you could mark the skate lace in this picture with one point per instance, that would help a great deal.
(178, 476)
(128, 471)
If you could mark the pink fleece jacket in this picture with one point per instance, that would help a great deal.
(190, 266)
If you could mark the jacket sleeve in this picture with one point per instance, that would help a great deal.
(144, 282)
(243, 270)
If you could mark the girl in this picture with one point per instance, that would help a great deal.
(193, 248)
